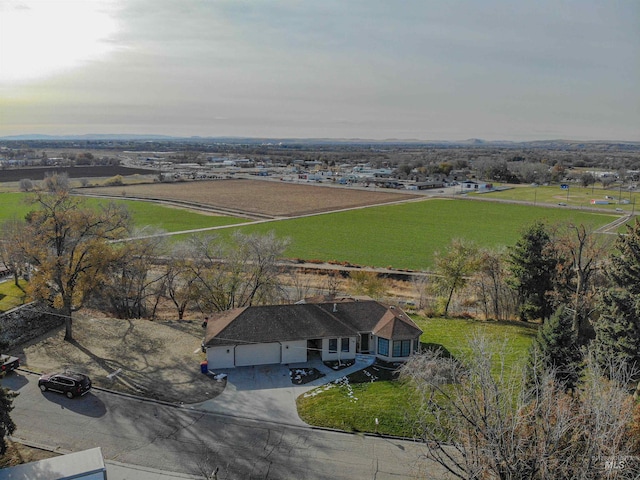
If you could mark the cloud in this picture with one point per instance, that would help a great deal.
(359, 68)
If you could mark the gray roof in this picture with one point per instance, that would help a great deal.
(280, 323)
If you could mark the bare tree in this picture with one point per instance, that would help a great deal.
(26, 185)
(579, 253)
(237, 274)
(491, 287)
(481, 422)
(333, 283)
(12, 254)
(56, 183)
(299, 286)
(180, 280)
(130, 279)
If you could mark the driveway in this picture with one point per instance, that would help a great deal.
(266, 393)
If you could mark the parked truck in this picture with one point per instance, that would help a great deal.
(8, 364)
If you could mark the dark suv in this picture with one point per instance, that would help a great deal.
(70, 383)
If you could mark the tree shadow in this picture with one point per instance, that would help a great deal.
(14, 381)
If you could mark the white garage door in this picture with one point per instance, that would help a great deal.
(258, 354)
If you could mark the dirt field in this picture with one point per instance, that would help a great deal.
(255, 196)
(91, 172)
(157, 359)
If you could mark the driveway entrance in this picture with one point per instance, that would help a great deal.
(265, 392)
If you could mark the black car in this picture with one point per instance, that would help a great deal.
(70, 383)
(8, 364)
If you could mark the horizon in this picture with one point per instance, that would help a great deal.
(422, 71)
(161, 137)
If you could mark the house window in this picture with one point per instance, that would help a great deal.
(401, 348)
(344, 344)
(333, 345)
(383, 347)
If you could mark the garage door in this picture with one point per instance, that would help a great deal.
(259, 354)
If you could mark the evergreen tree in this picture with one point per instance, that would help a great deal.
(556, 350)
(625, 262)
(617, 330)
(7, 427)
(532, 265)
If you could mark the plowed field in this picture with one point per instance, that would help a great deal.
(260, 197)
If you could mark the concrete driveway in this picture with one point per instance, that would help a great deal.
(265, 392)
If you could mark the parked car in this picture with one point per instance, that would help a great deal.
(72, 384)
(7, 364)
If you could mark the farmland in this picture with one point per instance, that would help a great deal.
(13, 205)
(38, 173)
(400, 235)
(270, 198)
(406, 235)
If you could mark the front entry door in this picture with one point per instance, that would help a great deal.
(364, 342)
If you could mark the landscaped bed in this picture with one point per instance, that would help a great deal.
(300, 376)
(339, 364)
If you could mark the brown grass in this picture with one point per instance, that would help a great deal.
(18, 454)
(259, 196)
(157, 359)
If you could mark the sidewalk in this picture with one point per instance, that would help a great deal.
(266, 393)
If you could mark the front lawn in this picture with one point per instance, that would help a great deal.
(355, 402)
(12, 296)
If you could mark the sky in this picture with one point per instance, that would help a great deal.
(368, 69)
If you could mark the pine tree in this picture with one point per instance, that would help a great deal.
(625, 271)
(533, 268)
(556, 350)
(7, 427)
(617, 330)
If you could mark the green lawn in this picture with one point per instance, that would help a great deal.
(355, 407)
(407, 235)
(11, 296)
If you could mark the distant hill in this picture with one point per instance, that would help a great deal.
(554, 144)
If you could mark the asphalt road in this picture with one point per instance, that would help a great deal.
(139, 432)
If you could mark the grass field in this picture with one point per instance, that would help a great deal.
(407, 235)
(13, 205)
(390, 401)
(575, 196)
(400, 236)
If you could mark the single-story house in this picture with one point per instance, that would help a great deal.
(471, 185)
(293, 333)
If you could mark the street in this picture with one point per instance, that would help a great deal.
(139, 432)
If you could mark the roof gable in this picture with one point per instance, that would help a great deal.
(397, 325)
